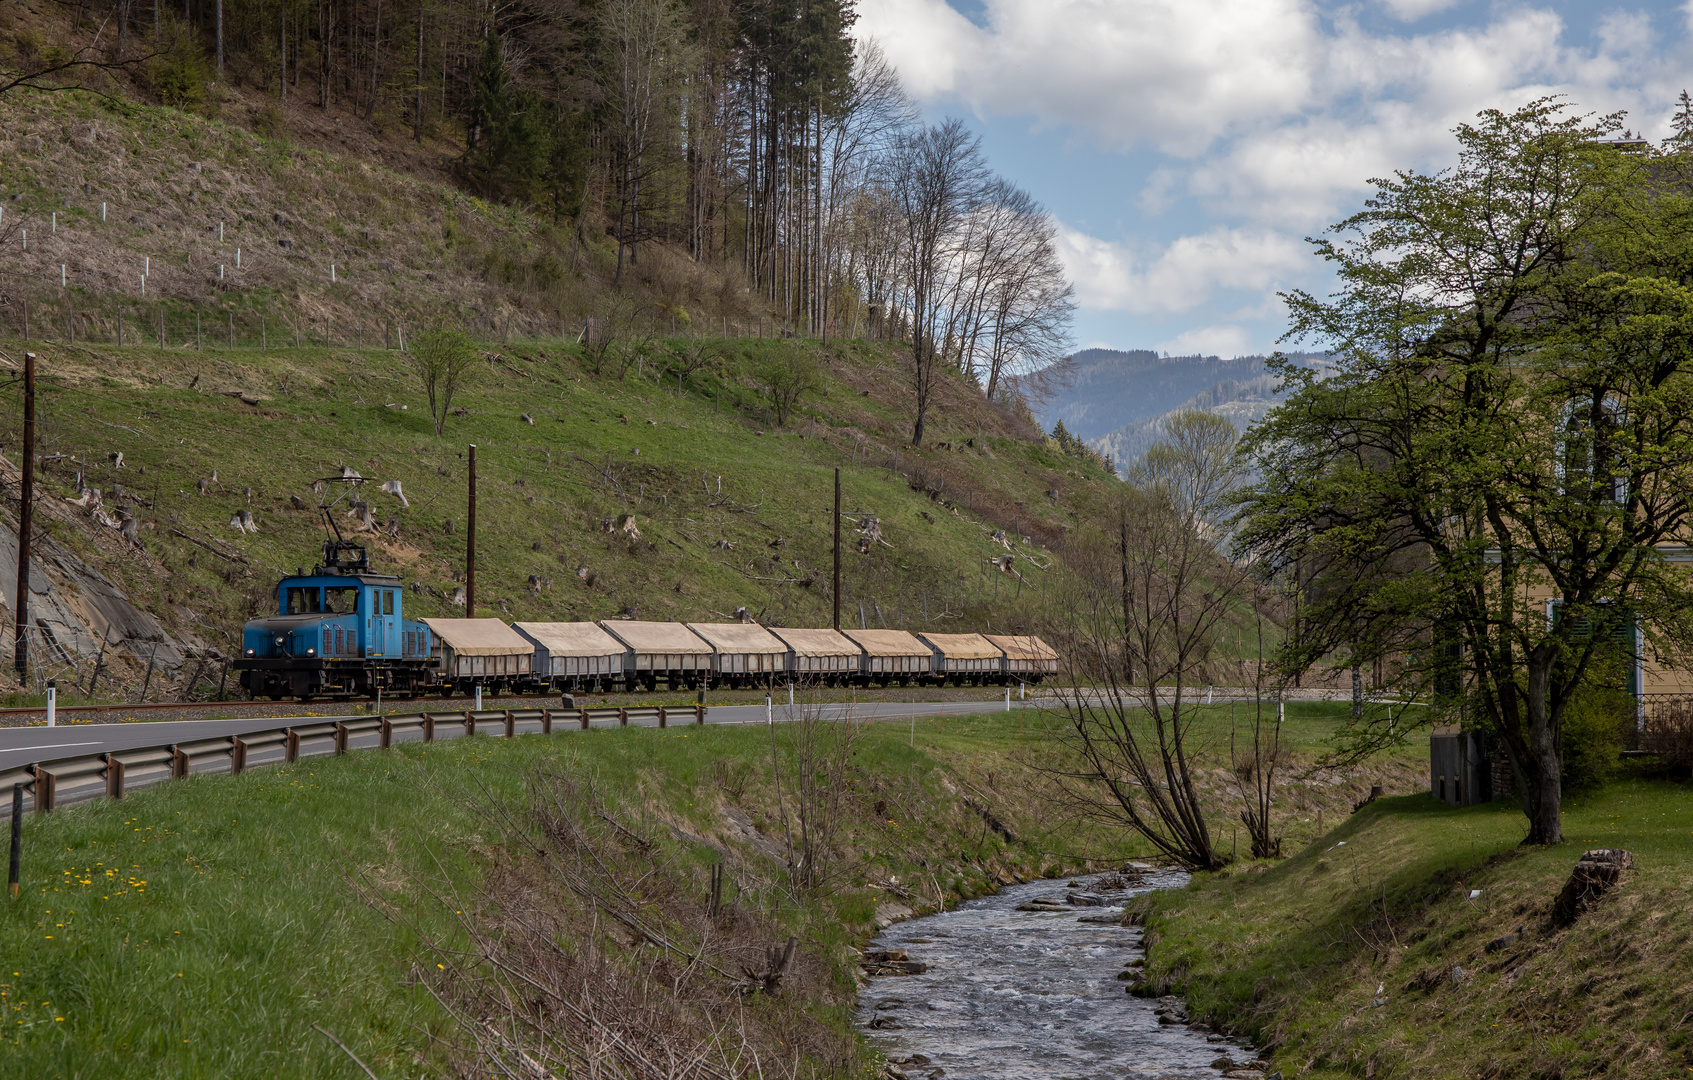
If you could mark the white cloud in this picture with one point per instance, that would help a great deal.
(1179, 73)
(1211, 341)
(1184, 275)
(1412, 10)
(1260, 109)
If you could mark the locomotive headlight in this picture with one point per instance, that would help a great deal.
(252, 652)
(279, 643)
(311, 652)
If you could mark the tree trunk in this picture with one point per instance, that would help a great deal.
(1541, 766)
(417, 112)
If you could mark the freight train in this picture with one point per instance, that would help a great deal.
(341, 632)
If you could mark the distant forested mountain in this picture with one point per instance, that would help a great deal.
(1119, 401)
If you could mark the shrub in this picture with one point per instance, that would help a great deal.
(269, 123)
(1597, 723)
(179, 76)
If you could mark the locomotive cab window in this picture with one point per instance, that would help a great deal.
(303, 600)
(341, 599)
(387, 601)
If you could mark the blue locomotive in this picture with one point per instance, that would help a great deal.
(339, 631)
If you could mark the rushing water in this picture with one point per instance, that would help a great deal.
(1014, 994)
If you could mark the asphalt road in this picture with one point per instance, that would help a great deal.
(43, 745)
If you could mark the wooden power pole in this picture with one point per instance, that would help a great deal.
(26, 506)
(470, 545)
(837, 550)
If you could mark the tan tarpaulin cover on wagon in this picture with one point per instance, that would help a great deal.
(889, 643)
(1023, 648)
(816, 642)
(734, 637)
(572, 638)
(963, 646)
(479, 637)
(655, 637)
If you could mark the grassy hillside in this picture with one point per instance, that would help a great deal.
(111, 190)
(273, 375)
(731, 512)
(1366, 955)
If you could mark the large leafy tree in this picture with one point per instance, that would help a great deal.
(1509, 416)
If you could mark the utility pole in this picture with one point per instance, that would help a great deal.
(470, 545)
(837, 550)
(26, 505)
(220, 39)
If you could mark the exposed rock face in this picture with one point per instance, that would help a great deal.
(1596, 872)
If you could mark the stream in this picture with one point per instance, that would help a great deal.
(1012, 994)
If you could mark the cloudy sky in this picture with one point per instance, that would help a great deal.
(1188, 146)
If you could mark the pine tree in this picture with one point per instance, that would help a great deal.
(1682, 122)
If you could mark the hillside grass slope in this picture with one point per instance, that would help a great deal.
(1414, 940)
(201, 928)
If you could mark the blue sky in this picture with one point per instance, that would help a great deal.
(1188, 146)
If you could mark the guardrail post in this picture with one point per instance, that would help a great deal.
(428, 727)
(546, 721)
(511, 725)
(114, 777)
(622, 717)
(387, 733)
(237, 755)
(340, 737)
(15, 859)
(469, 723)
(291, 748)
(584, 719)
(663, 716)
(178, 763)
(699, 714)
(45, 795)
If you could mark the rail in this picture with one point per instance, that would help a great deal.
(47, 785)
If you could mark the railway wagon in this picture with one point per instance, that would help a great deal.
(892, 656)
(1027, 658)
(743, 653)
(825, 655)
(661, 650)
(480, 652)
(962, 658)
(574, 654)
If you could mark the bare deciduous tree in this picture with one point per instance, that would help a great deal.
(1153, 594)
(937, 178)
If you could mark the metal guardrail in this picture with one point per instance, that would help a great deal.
(51, 784)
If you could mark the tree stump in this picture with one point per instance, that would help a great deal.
(1596, 873)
